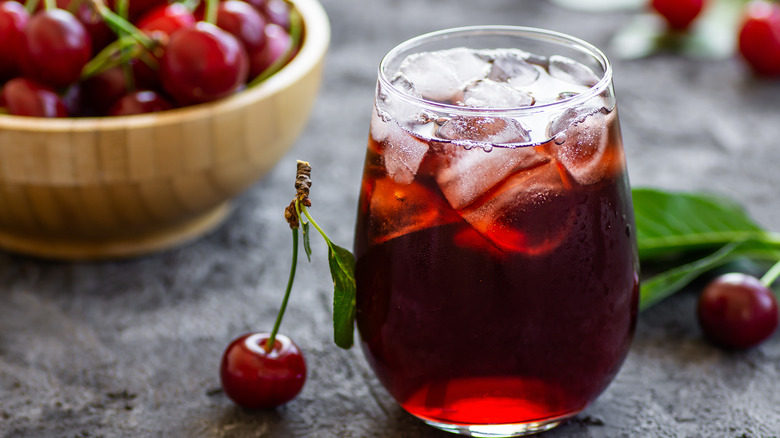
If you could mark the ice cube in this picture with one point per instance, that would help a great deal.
(440, 76)
(571, 71)
(492, 130)
(528, 212)
(583, 144)
(511, 66)
(466, 175)
(485, 93)
(403, 153)
(402, 83)
(399, 209)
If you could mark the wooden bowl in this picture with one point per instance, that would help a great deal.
(91, 188)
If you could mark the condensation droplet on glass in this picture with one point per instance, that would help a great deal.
(560, 138)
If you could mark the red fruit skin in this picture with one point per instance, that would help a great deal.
(244, 22)
(254, 379)
(57, 46)
(759, 37)
(25, 97)
(140, 102)
(99, 32)
(277, 12)
(166, 19)
(679, 14)
(277, 43)
(203, 63)
(13, 19)
(737, 311)
(101, 91)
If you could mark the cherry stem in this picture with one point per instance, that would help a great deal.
(50, 4)
(305, 211)
(272, 338)
(119, 24)
(31, 6)
(211, 11)
(771, 275)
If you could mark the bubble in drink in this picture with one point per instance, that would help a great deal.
(441, 76)
(485, 93)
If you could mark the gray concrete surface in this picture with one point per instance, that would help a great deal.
(131, 348)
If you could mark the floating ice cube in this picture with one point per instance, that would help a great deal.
(485, 93)
(512, 217)
(493, 130)
(582, 143)
(571, 71)
(440, 76)
(401, 82)
(467, 175)
(511, 66)
(402, 152)
(398, 209)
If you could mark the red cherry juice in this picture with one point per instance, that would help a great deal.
(497, 315)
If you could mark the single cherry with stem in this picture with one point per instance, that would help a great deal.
(739, 311)
(262, 370)
(679, 14)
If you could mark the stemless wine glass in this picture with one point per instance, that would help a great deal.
(497, 283)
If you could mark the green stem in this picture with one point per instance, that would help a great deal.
(119, 25)
(272, 339)
(771, 275)
(50, 4)
(211, 11)
(311, 220)
(31, 6)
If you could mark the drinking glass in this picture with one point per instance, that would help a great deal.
(497, 271)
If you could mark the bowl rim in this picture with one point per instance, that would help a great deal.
(313, 48)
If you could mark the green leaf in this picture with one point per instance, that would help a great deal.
(342, 269)
(670, 223)
(712, 35)
(600, 5)
(667, 283)
(306, 239)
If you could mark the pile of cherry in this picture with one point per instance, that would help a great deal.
(81, 58)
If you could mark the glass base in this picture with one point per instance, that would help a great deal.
(497, 430)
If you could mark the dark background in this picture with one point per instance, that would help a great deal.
(131, 348)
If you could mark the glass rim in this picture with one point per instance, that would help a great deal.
(516, 31)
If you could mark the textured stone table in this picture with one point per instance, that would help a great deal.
(131, 348)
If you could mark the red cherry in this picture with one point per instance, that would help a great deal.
(679, 14)
(256, 379)
(244, 22)
(101, 91)
(166, 19)
(737, 311)
(139, 102)
(203, 63)
(759, 37)
(99, 32)
(277, 43)
(13, 19)
(136, 8)
(277, 12)
(25, 97)
(56, 48)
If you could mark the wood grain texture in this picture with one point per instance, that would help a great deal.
(93, 183)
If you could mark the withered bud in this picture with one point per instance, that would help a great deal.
(291, 215)
(303, 180)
